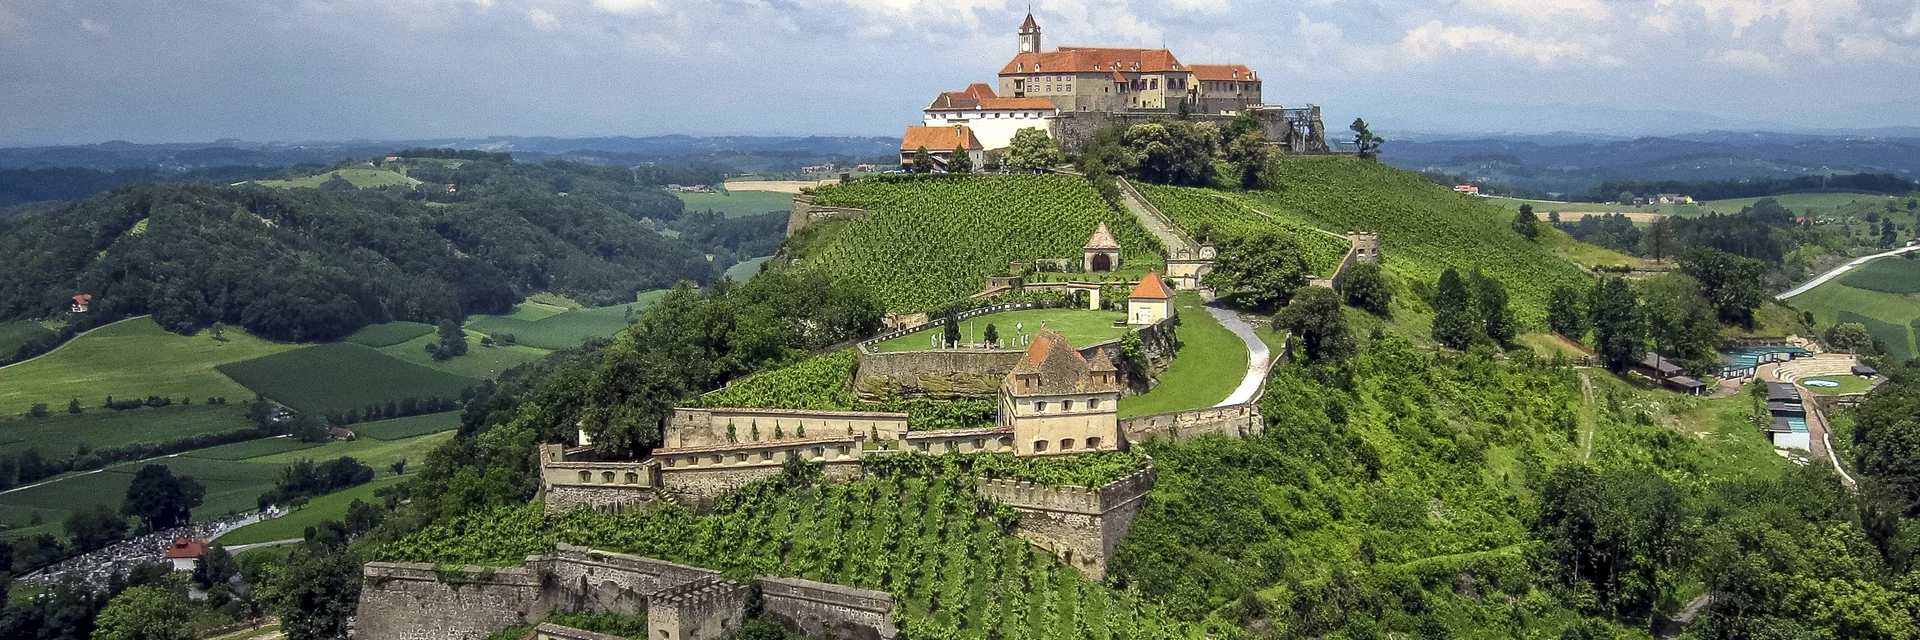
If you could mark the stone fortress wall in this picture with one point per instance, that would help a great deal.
(1081, 526)
(805, 212)
(977, 373)
(413, 601)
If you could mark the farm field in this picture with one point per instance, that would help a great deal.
(408, 427)
(332, 506)
(1209, 365)
(737, 203)
(1797, 202)
(57, 435)
(363, 178)
(1231, 215)
(389, 334)
(1888, 316)
(481, 362)
(1886, 275)
(251, 449)
(1424, 229)
(931, 241)
(746, 269)
(378, 454)
(1572, 210)
(132, 358)
(342, 376)
(546, 326)
(232, 486)
(1080, 326)
(14, 334)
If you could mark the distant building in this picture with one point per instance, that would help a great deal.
(1671, 198)
(818, 168)
(1116, 79)
(940, 142)
(1467, 189)
(993, 119)
(1059, 402)
(184, 551)
(340, 433)
(81, 303)
(1102, 253)
(1150, 301)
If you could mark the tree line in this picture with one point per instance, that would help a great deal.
(1886, 183)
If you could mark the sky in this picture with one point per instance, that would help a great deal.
(80, 71)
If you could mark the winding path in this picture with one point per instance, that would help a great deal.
(1258, 357)
(69, 341)
(1824, 277)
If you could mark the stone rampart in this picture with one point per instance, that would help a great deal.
(819, 609)
(551, 631)
(1240, 420)
(1082, 526)
(697, 610)
(568, 482)
(695, 427)
(582, 579)
(805, 212)
(413, 601)
(947, 373)
(701, 474)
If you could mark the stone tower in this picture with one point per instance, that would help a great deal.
(1030, 35)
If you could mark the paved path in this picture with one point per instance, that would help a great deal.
(1155, 221)
(1824, 277)
(69, 341)
(1258, 357)
(276, 543)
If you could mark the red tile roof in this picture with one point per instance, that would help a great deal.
(979, 90)
(1102, 238)
(186, 548)
(1059, 368)
(1151, 288)
(965, 101)
(1094, 60)
(1222, 72)
(83, 298)
(939, 139)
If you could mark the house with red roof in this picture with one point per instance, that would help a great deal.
(81, 302)
(941, 143)
(1058, 401)
(184, 551)
(1151, 301)
(992, 118)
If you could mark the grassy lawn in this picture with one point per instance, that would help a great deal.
(14, 334)
(251, 449)
(57, 436)
(135, 358)
(332, 506)
(747, 269)
(481, 362)
(737, 204)
(363, 178)
(342, 376)
(1548, 344)
(232, 486)
(1210, 364)
(1080, 326)
(1848, 384)
(408, 427)
(548, 326)
(389, 334)
(378, 454)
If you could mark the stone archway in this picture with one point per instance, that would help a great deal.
(1102, 263)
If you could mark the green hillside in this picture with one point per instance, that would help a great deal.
(1891, 317)
(1424, 227)
(60, 434)
(736, 204)
(933, 240)
(132, 359)
(1230, 214)
(550, 327)
(342, 376)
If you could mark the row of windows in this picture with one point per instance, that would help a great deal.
(978, 444)
(763, 456)
(1066, 444)
(606, 477)
(1040, 406)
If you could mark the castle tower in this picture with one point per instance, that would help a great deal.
(1030, 35)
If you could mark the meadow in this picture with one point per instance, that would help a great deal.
(364, 178)
(378, 454)
(1886, 275)
(1568, 209)
(1888, 316)
(1800, 203)
(58, 435)
(1080, 326)
(342, 376)
(232, 486)
(737, 204)
(252, 448)
(332, 506)
(746, 269)
(548, 326)
(389, 334)
(1208, 366)
(14, 334)
(132, 359)
(408, 427)
(480, 362)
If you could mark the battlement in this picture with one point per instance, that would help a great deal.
(820, 609)
(470, 575)
(691, 427)
(1022, 494)
(665, 573)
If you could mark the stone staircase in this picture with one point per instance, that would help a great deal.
(1823, 365)
(1156, 221)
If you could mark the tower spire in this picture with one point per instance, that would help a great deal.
(1030, 33)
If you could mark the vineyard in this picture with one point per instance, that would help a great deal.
(820, 383)
(1230, 215)
(1424, 228)
(932, 241)
(918, 531)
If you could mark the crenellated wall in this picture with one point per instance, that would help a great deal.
(698, 610)
(413, 601)
(819, 609)
(1081, 525)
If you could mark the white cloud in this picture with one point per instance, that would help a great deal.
(1662, 21)
(1214, 7)
(1545, 10)
(92, 27)
(627, 7)
(1436, 38)
(1912, 28)
(542, 20)
(1867, 47)
(1748, 59)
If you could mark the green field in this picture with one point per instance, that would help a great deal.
(232, 487)
(364, 178)
(1848, 384)
(1210, 364)
(746, 269)
(332, 506)
(1546, 206)
(342, 376)
(58, 435)
(1886, 275)
(251, 449)
(1888, 316)
(1797, 202)
(134, 358)
(389, 334)
(375, 453)
(408, 427)
(737, 204)
(933, 241)
(1080, 326)
(1424, 229)
(481, 362)
(14, 334)
(546, 326)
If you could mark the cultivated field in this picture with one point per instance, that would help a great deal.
(342, 376)
(1571, 210)
(134, 358)
(389, 334)
(789, 187)
(378, 454)
(1210, 364)
(481, 362)
(232, 487)
(1798, 202)
(1576, 216)
(737, 203)
(363, 178)
(1886, 275)
(58, 435)
(1080, 326)
(1888, 316)
(408, 427)
(251, 449)
(547, 326)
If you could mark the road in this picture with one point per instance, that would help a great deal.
(1824, 277)
(1257, 356)
(69, 341)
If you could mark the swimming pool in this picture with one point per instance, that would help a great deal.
(1750, 357)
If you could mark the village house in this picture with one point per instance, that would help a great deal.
(184, 551)
(1466, 189)
(1150, 301)
(81, 303)
(941, 142)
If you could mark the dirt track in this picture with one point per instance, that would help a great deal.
(1636, 217)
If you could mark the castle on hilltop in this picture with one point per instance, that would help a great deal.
(1071, 92)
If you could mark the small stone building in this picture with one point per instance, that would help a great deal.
(699, 610)
(1102, 251)
(1060, 402)
(1150, 301)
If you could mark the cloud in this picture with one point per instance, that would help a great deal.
(92, 27)
(1746, 59)
(626, 7)
(1213, 7)
(1436, 38)
(1545, 10)
(542, 20)
(1912, 28)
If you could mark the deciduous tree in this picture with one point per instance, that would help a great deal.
(1456, 322)
(1565, 315)
(1032, 150)
(1264, 267)
(960, 161)
(161, 499)
(1732, 284)
(1619, 334)
(1525, 224)
(149, 612)
(1365, 287)
(1366, 143)
(1315, 316)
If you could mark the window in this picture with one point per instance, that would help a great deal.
(606, 477)
(766, 455)
(633, 478)
(716, 458)
(1006, 442)
(819, 452)
(920, 445)
(739, 457)
(1039, 445)
(1040, 406)
(1153, 84)
(691, 461)
(586, 476)
(1066, 405)
(843, 449)
(1066, 444)
(1094, 403)
(979, 443)
(1093, 443)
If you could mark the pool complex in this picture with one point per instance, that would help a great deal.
(1752, 356)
